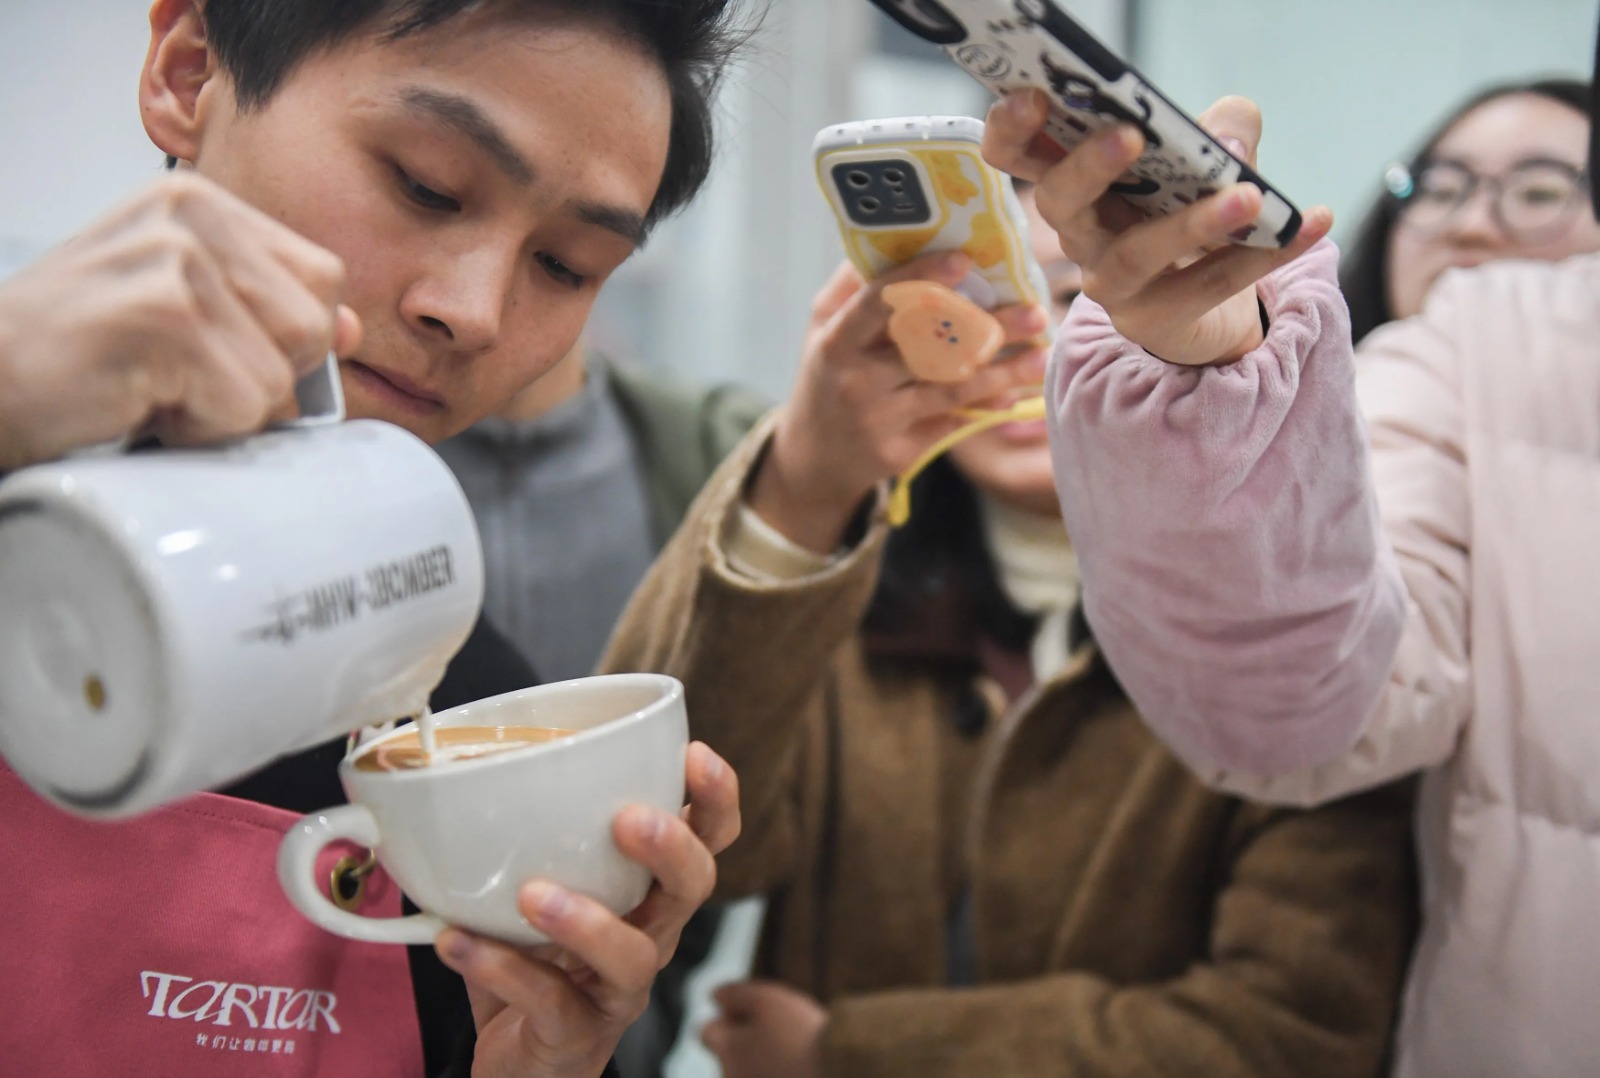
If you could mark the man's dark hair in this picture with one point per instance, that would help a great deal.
(1364, 277)
(259, 42)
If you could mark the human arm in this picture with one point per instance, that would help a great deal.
(558, 1012)
(184, 313)
(754, 644)
(1304, 953)
(753, 656)
(1236, 568)
(1279, 625)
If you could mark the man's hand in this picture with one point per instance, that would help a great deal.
(1173, 285)
(184, 313)
(560, 1010)
(766, 1030)
(858, 415)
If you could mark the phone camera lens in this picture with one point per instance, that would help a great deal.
(859, 179)
(893, 177)
(869, 205)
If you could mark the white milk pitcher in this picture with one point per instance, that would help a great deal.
(171, 620)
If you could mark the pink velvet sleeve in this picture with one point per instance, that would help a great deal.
(1235, 572)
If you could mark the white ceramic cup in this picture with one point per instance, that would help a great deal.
(171, 620)
(461, 838)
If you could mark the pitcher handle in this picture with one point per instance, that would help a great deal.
(320, 395)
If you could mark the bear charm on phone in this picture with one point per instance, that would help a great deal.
(1010, 45)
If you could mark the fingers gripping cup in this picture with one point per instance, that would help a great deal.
(522, 786)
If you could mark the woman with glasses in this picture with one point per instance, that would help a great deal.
(1502, 177)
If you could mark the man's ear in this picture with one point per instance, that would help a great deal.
(178, 67)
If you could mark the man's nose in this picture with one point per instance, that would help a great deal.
(463, 303)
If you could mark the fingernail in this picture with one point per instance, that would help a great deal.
(1038, 360)
(956, 262)
(455, 946)
(1114, 143)
(651, 827)
(1020, 105)
(714, 767)
(549, 902)
(1035, 319)
(1239, 204)
(1235, 147)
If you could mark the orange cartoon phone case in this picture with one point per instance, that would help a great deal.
(906, 187)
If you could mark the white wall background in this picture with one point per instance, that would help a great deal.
(722, 292)
(1347, 86)
(69, 119)
(725, 291)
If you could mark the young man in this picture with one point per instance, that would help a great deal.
(436, 190)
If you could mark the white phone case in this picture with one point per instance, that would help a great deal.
(1014, 44)
(910, 186)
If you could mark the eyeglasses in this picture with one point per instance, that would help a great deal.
(1531, 202)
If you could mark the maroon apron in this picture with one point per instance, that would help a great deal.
(163, 945)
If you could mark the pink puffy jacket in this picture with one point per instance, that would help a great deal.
(1307, 596)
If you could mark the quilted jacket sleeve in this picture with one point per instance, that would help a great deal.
(1281, 590)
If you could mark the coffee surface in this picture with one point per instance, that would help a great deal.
(453, 744)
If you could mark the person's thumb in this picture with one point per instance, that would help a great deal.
(1236, 123)
(736, 999)
(347, 331)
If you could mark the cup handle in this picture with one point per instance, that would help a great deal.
(297, 862)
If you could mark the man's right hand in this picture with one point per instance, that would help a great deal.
(184, 313)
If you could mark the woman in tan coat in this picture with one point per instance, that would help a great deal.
(979, 860)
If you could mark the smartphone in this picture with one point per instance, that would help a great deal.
(1014, 44)
(917, 185)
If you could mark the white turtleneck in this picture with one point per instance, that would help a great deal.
(1038, 571)
(1034, 559)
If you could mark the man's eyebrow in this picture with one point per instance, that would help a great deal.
(464, 115)
(624, 222)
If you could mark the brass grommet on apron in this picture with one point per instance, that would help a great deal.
(347, 885)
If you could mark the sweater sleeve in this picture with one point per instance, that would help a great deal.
(1235, 568)
(754, 657)
(1305, 955)
(1409, 386)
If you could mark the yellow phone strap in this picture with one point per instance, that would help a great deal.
(980, 420)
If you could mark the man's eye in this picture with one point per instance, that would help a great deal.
(560, 271)
(426, 197)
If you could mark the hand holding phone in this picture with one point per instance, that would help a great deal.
(1174, 285)
(902, 190)
(1012, 45)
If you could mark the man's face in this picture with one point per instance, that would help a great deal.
(480, 181)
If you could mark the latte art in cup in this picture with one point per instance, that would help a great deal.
(452, 744)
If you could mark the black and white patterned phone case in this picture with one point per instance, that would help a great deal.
(1013, 44)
